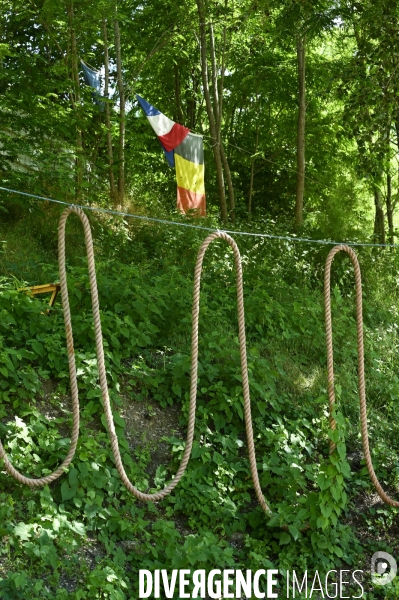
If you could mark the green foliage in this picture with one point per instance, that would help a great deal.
(43, 111)
(85, 536)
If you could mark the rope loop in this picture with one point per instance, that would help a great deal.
(72, 371)
(102, 371)
(194, 366)
(360, 362)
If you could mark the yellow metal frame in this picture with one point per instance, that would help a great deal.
(54, 288)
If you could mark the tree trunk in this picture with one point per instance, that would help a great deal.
(379, 221)
(211, 115)
(191, 102)
(179, 111)
(221, 79)
(251, 181)
(215, 90)
(230, 187)
(112, 189)
(75, 102)
(300, 182)
(390, 209)
(396, 200)
(121, 157)
(218, 107)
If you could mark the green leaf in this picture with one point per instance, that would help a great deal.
(118, 420)
(73, 478)
(293, 531)
(20, 580)
(285, 538)
(67, 491)
(326, 510)
(273, 522)
(78, 528)
(338, 551)
(22, 531)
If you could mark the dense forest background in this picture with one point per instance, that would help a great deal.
(298, 103)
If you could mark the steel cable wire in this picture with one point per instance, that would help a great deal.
(360, 359)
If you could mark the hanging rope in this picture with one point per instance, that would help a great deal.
(360, 362)
(194, 367)
(102, 371)
(72, 378)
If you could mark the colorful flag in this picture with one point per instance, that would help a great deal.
(184, 151)
(190, 171)
(169, 133)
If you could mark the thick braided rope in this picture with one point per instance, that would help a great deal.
(194, 357)
(360, 361)
(243, 349)
(72, 376)
(102, 371)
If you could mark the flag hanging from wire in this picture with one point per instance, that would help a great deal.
(190, 172)
(92, 79)
(184, 151)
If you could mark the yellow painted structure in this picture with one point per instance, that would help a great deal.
(47, 288)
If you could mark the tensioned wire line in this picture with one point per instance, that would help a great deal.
(271, 236)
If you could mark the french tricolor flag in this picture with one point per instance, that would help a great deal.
(169, 133)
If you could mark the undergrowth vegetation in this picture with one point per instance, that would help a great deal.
(85, 536)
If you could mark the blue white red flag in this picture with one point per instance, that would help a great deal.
(169, 133)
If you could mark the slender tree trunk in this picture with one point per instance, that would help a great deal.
(251, 181)
(396, 200)
(215, 90)
(121, 157)
(388, 200)
(221, 79)
(229, 179)
(300, 182)
(390, 209)
(379, 220)
(179, 111)
(191, 102)
(218, 107)
(112, 189)
(76, 102)
(209, 108)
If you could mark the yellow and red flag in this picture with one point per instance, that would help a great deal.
(184, 151)
(190, 170)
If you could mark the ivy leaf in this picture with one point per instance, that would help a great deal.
(338, 551)
(20, 580)
(118, 420)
